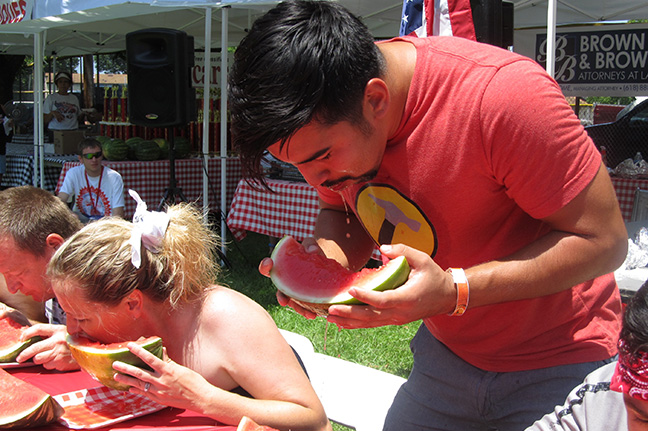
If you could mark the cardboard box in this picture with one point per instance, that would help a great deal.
(67, 141)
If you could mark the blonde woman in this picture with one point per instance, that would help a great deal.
(225, 357)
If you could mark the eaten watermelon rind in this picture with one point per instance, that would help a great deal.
(97, 361)
(323, 273)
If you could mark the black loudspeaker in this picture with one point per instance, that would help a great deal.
(159, 62)
(493, 21)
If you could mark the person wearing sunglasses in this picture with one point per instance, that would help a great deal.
(98, 190)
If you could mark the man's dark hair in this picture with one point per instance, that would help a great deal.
(635, 322)
(87, 143)
(301, 61)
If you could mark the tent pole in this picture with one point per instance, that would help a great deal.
(206, 113)
(39, 166)
(551, 37)
(223, 125)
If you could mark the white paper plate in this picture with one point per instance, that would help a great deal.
(7, 365)
(102, 406)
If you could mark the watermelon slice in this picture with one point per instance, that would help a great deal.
(248, 424)
(316, 282)
(10, 344)
(96, 359)
(23, 405)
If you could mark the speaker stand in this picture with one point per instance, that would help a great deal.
(173, 193)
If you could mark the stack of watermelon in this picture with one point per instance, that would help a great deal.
(137, 148)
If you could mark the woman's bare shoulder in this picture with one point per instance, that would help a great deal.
(223, 303)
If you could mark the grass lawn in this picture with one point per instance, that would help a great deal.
(385, 348)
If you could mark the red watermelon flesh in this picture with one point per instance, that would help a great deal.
(23, 405)
(10, 344)
(248, 424)
(314, 279)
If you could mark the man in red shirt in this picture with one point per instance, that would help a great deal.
(466, 159)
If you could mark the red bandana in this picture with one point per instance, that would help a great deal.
(631, 373)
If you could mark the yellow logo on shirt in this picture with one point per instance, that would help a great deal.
(391, 218)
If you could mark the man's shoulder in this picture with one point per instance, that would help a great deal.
(112, 173)
(75, 171)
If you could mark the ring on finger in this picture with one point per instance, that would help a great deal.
(147, 386)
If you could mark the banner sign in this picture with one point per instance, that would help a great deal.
(12, 11)
(198, 71)
(599, 63)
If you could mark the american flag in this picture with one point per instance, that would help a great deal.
(437, 18)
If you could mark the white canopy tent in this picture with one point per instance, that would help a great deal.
(77, 27)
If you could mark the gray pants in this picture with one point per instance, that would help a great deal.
(443, 392)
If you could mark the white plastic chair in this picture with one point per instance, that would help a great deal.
(352, 395)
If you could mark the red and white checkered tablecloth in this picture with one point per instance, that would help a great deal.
(625, 189)
(151, 179)
(292, 210)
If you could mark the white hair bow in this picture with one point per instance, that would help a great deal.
(149, 228)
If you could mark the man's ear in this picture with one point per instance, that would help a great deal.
(54, 241)
(377, 97)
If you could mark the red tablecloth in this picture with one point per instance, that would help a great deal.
(170, 419)
(625, 190)
(292, 210)
(151, 179)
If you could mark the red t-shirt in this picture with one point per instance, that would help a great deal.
(488, 146)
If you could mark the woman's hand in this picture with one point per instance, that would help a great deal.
(169, 383)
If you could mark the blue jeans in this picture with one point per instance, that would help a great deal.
(443, 392)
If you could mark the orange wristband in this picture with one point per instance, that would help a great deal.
(463, 290)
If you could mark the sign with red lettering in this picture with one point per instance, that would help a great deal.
(198, 70)
(12, 11)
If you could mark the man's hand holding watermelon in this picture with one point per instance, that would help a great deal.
(389, 307)
(52, 352)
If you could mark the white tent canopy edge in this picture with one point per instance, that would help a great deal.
(47, 20)
(71, 14)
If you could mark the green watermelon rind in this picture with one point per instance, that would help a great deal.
(147, 150)
(11, 353)
(45, 412)
(389, 276)
(115, 149)
(132, 143)
(42, 412)
(181, 147)
(98, 361)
